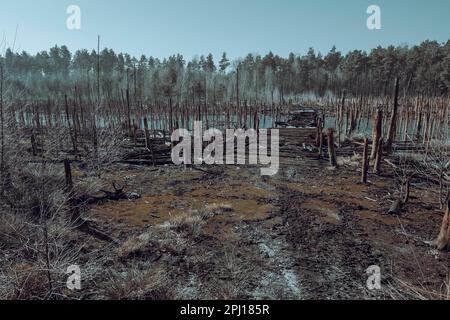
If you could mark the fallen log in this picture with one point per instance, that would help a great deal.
(86, 227)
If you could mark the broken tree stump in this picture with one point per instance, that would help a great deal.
(396, 207)
(331, 149)
(379, 157)
(365, 163)
(443, 240)
(319, 131)
(321, 144)
(377, 133)
(34, 148)
(393, 125)
(68, 175)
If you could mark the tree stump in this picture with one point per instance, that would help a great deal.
(331, 150)
(68, 175)
(321, 145)
(443, 240)
(393, 125)
(365, 163)
(377, 133)
(378, 159)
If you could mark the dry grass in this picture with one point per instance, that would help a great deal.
(192, 222)
(137, 246)
(34, 261)
(219, 208)
(353, 161)
(25, 282)
(405, 290)
(138, 285)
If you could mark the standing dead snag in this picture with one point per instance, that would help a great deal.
(72, 132)
(443, 240)
(148, 143)
(318, 132)
(341, 117)
(331, 150)
(321, 144)
(379, 156)
(393, 125)
(68, 175)
(365, 164)
(398, 205)
(34, 148)
(377, 133)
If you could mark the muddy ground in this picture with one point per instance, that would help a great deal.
(310, 232)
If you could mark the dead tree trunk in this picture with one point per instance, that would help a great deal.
(393, 125)
(148, 143)
(321, 144)
(69, 126)
(319, 130)
(341, 116)
(34, 148)
(365, 164)
(398, 205)
(443, 240)
(419, 127)
(68, 175)
(331, 150)
(377, 133)
(127, 93)
(379, 157)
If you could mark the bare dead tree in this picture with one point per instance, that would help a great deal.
(393, 124)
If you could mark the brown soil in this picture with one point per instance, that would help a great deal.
(307, 233)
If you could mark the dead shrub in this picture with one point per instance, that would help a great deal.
(190, 223)
(141, 246)
(138, 285)
(27, 282)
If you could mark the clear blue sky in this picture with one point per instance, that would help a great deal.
(193, 27)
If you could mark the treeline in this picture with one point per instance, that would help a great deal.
(422, 69)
